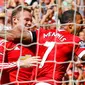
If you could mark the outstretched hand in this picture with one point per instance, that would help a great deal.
(29, 61)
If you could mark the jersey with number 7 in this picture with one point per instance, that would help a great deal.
(56, 49)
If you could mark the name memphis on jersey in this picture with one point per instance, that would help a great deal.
(59, 36)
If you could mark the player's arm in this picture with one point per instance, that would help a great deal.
(7, 35)
(23, 63)
(17, 34)
(26, 36)
(7, 65)
(81, 53)
(4, 65)
(49, 11)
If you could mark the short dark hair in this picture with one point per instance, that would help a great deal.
(19, 9)
(68, 16)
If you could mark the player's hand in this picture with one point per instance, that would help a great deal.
(22, 32)
(7, 34)
(29, 61)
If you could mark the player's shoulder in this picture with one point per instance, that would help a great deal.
(70, 36)
(2, 41)
(45, 30)
(77, 39)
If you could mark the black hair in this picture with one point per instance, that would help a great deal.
(68, 16)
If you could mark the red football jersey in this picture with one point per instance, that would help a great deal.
(55, 48)
(10, 52)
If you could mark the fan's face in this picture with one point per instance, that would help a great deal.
(47, 1)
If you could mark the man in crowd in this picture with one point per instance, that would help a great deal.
(55, 47)
(82, 37)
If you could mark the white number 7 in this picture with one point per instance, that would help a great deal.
(50, 46)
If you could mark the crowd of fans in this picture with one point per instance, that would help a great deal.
(47, 13)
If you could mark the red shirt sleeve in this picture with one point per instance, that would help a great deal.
(2, 50)
(7, 65)
(2, 56)
(80, 52)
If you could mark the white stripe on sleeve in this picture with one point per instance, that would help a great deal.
(7, 65)
(42, 83)
(81, 54)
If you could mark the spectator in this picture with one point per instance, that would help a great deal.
(78, 75)
(67, 5)
(8, 18)
(10, 3)
(80, 6)
(46, 4)
(48, 17)
(82, 37)
(36, 16)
